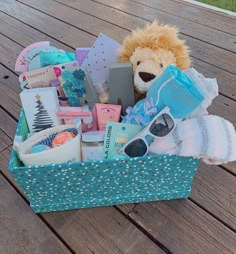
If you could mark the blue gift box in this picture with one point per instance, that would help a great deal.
(58, 187)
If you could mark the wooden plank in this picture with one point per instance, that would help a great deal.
(224, 107)
(231, 167)
(21, 231)
(5, 141)
(9, 51)
(199, 49)
(214, 189)
(184, 228)
(191, 12)
(4, 160)
(8, 103)
(9, 91)
(50, 26)
(206, 9)
(9, 83)
(80, 20)
(226, 80)
(14, 29)
(7, 124)
(198, 31)
(101, 230)
(8, 79)
(97, 230)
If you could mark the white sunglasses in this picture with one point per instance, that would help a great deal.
(160, 127)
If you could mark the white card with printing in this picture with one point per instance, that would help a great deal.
(40, 107)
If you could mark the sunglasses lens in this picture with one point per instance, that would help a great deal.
(137, 148)
(162, 126)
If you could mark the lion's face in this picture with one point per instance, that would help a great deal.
(148, 64)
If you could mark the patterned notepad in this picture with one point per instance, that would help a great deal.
(103, 53)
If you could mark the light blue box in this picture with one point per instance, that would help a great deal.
(67, 186)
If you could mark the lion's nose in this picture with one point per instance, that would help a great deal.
(145, 76)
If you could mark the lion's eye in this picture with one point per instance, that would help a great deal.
(138, 63)
(161, 65)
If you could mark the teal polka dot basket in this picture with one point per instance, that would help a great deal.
(67, 186)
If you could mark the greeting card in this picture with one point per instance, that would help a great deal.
(40, 107)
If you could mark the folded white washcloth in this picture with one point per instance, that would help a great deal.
(208, 86)
(210, 138)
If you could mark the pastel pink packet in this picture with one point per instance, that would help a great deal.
(107, 113)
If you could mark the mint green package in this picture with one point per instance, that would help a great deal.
(116, 135)
(55, 58)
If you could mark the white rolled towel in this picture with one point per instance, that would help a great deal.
(210, 138)
(208, 86)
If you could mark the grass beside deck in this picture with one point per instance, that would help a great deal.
(224, 4)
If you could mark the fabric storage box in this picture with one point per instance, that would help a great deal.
(67, 186)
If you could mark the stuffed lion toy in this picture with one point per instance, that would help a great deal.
(150, 50)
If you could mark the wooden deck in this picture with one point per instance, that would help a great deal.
(206, 222)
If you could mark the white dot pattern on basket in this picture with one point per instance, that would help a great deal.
(106, 183)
